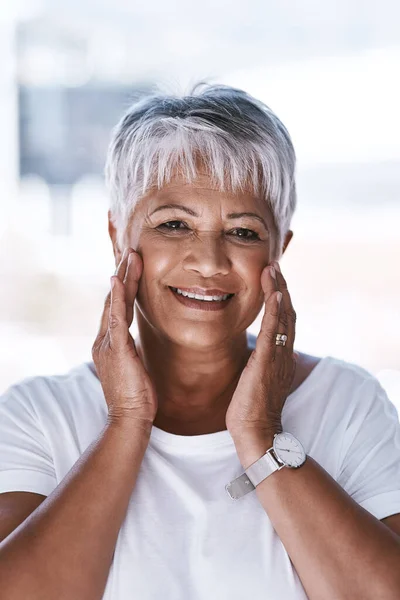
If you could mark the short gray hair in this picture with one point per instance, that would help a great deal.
(239, 139)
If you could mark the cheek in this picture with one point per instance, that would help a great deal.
(156, 266)
(251, 278)
(250, 268)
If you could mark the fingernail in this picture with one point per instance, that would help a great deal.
(272, 271)
(277, 266)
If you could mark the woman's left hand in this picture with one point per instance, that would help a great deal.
(254, 413)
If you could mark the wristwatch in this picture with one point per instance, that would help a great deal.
(286, 451)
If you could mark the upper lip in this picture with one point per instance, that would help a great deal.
(202, 291)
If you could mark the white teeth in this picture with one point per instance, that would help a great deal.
(200, 297)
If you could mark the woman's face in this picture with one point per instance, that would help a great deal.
(209, 250)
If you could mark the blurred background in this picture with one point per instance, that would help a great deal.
(329, 70)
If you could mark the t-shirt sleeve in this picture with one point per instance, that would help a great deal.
(369, 470)
(26, 464)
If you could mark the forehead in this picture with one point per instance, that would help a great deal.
(202, 194)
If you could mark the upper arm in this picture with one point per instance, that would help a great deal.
(15, 507)
(393, 522)
(370, 458)
(26, 461)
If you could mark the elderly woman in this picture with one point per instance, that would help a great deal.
(198, 462)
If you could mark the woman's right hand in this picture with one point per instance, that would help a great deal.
(128, 389)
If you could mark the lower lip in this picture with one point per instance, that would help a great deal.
(201, 304)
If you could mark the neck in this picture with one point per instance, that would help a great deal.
(195, 384)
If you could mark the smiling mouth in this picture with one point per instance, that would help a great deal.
(226, 296)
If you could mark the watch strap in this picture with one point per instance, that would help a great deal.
(253, 475)
(239, 487)
(263, 467)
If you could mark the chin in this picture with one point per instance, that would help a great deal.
(191, 337)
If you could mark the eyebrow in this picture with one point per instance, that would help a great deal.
(194, 214)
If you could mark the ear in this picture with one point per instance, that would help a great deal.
(288, 238)
(114, 239)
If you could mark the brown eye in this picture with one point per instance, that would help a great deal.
(165, 225)
(252, 238)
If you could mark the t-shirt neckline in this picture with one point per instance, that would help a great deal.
(219, 438)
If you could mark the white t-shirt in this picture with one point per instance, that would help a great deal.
(183, 537)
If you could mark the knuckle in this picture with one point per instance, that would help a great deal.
(113, 322)
(118, 301)
(106, 345)
(96, 345)
(97, 348)
(284, 321)
(274, 313)
(270, 336)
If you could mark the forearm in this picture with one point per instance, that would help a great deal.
(64, 549)
(340, 551)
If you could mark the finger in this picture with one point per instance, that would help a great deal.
(287, 317)
(268, 282)
(104, 317)
(265, 343)
(282, 325)
(106, 310)
(120, 271)
(117, 324)
(131, 282)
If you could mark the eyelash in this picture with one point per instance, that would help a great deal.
(252, 239)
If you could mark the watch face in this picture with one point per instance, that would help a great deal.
(289, 450)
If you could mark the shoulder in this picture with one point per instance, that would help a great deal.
(335, 387)
(337, 369)
(49, 394)
(350, 374)
(354, 392)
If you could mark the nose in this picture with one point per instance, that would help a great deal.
(206, 254)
